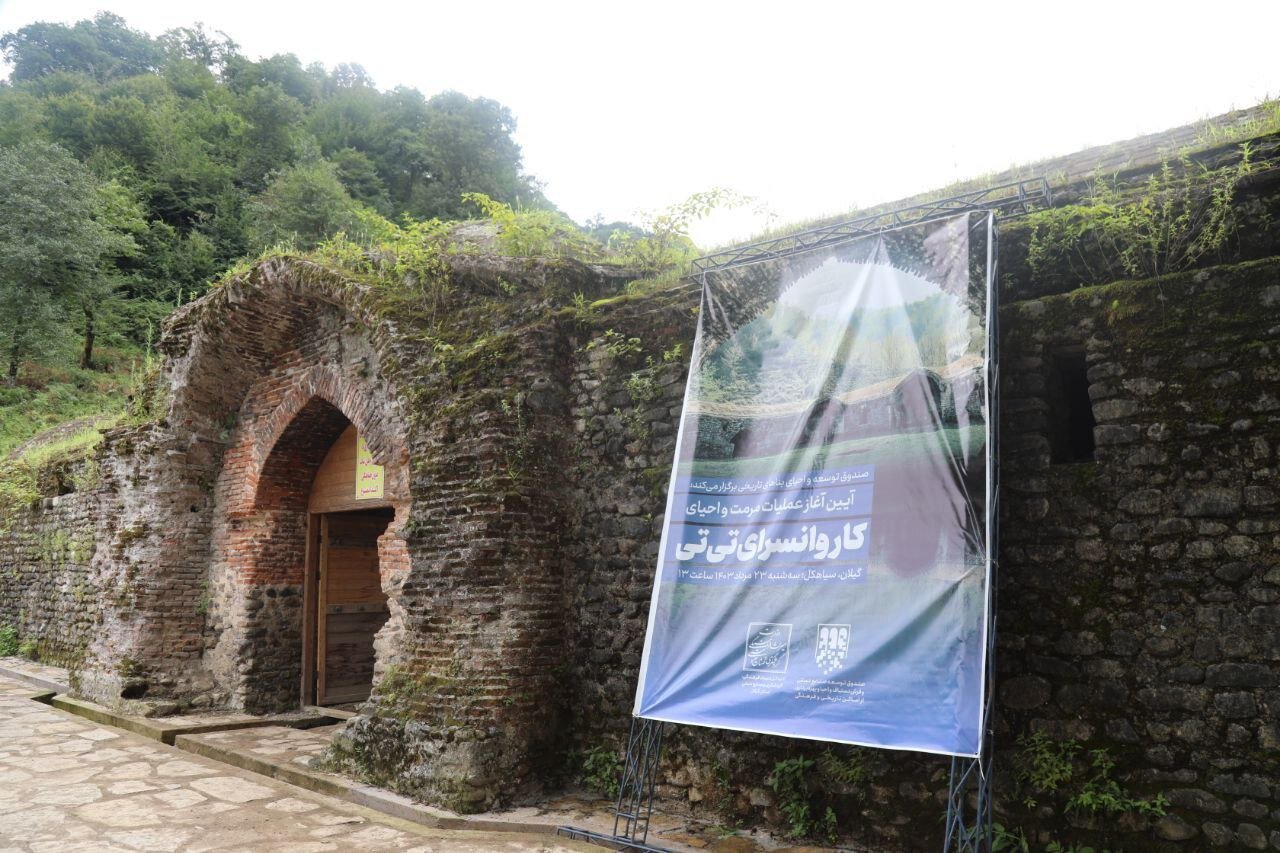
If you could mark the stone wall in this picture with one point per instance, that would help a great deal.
(1138, 590)
(529, 437)
(45, 591)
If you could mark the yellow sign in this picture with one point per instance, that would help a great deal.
(368, 475)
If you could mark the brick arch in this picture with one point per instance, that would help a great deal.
(286, 473)
(293, 369)
(306, 396)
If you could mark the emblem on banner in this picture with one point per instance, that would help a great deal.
(833, 647)
(768, 647)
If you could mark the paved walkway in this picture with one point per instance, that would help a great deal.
(69, 785)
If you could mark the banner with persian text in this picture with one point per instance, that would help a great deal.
(825, 560)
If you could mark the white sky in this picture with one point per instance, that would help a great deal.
(813, 108)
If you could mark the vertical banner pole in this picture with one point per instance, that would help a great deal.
(971, 777)
(639, 773)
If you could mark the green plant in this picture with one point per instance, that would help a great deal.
(618, 344)
(1183, 212)
(664, 244)
(518, 451)
(1043, 765)
(1014, 840)
(535, 233)
(18, 471)
(791, 781)
(8, 640)
(641, 387)
(1102, 793)
(1266, 120)
(601, 769)
(29, 649)
(205, 600)
(850, 771)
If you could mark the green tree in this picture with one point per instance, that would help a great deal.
(270, 142)
(222, 155)
(360, 177)
(467, 146)
(303, 205)
(51, 245)
(103, 48)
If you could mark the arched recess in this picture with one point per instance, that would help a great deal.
(302, 385)
(266, 537)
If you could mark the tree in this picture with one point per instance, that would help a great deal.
(220, 155)
(274, 118)
(51, 243)
(104, 48)
(360, 177)
(467, 146)
(303, 205)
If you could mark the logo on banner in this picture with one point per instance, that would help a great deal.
(833, 647)
(768, 647)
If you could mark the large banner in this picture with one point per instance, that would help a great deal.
(825, 559)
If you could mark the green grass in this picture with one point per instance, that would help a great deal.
(83, 402)
(880, 449)
(47, 397)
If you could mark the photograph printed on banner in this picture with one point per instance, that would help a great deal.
(824, 558)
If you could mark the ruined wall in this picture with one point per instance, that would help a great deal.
(45, 591)
(530, 437)
(1138, 592)
(470, 712)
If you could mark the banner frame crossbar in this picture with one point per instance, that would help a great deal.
(1007, 201)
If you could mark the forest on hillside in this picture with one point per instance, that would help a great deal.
(136, 169)
(150, 164)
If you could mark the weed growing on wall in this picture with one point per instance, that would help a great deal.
(535, 233)
(1047, 770)
(519, 450)
(1265, 119)
(601, 770)
(793, 783)
(18, 472)
(1101, 793)
(1044, 765)
(664, 244)
(1181, 214)
(8, 640)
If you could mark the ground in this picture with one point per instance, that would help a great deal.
(68, 785)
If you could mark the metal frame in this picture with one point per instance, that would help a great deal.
(969, 830)
(968, 826)
(634, 808)
(1013, 199)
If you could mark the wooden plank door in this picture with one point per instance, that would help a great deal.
(351, 606)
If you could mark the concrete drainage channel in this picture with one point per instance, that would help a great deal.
(191, 737)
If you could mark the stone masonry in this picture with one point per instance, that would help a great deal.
(528, 438)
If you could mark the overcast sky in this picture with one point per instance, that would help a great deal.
(813, 108)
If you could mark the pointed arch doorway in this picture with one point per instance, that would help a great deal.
(344, 605)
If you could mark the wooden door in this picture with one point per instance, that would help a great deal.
(351, 606)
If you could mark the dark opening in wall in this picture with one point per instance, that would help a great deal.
(1070, 409)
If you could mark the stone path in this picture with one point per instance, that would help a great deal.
(69, 785)
(278, 743)
(38, 675)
